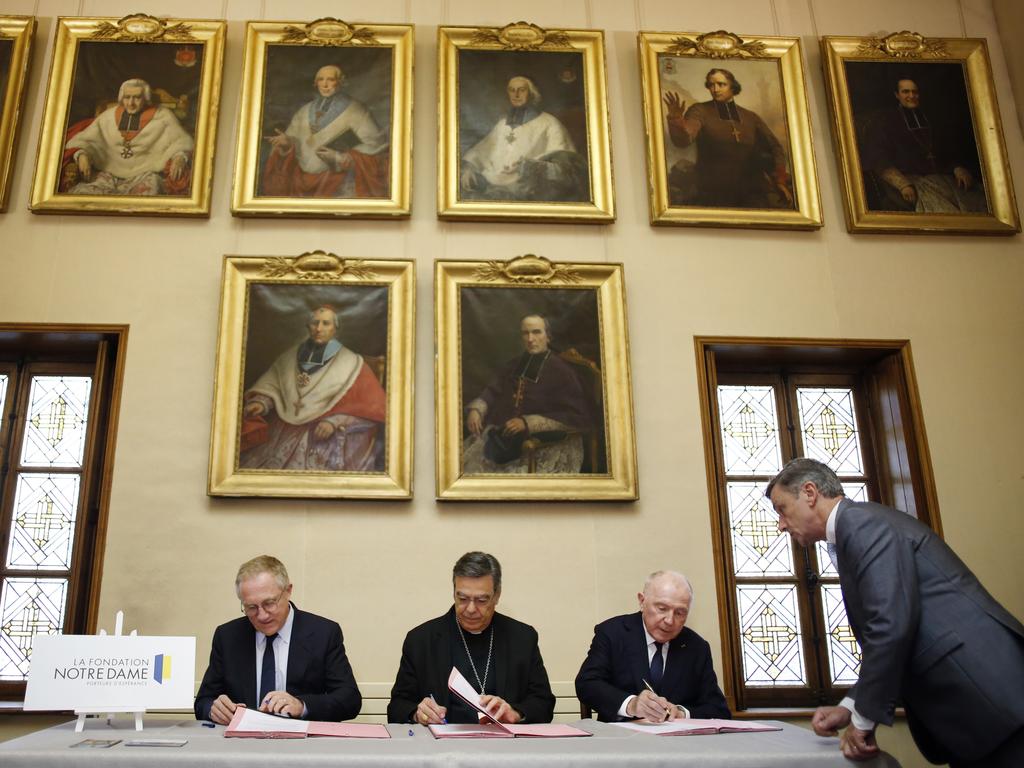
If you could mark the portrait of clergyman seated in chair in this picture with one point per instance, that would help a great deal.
(539, 409)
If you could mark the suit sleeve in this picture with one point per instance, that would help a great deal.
(213, 684)
(885, 581)
(709, 701)
(538, 702)
(593, 682)
(405, 693)
(340, 699)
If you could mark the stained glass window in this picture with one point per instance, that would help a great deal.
(56, 421)
(770, 634)
(854, 492)
(3, 392)
(28, 607)
(43, 525)
(828, 425)
(750, 433)
(843, 650)
(758, 548)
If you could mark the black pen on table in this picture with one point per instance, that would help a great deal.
(443, 719)
(668, 712)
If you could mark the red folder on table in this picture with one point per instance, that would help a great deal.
(252, 724)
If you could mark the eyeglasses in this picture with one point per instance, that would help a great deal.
(480, 602)
(267, 606)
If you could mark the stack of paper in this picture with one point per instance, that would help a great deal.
(697, 727)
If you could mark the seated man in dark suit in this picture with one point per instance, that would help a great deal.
(499, 657)
(276, 658)
(651, 647)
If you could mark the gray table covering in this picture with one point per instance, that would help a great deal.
(609, 746)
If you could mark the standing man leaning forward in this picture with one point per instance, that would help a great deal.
(653, 646)
(930, 635)
(498, 655)
(277, 658)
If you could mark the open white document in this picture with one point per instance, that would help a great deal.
(693, 727)
(253, 724)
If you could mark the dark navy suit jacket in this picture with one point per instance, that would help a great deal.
(318, 670)
(616, 667)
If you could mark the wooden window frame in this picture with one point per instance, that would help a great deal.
(41, 349)
(895, 445)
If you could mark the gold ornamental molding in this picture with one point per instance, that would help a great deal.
(904, 45)
(521, 36)
(327, 32)
(142, 28)
(717, 45)
(316, 265)
(530, 269)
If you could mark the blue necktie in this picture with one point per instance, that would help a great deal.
(268, 678)
(831, 548)
(657, 666)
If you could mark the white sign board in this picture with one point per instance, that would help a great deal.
(117, 673)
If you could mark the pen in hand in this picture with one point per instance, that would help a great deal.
(668, 712)
(443, 719)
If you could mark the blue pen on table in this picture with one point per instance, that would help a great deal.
(443, 719)
(411, 733)
(209, 725)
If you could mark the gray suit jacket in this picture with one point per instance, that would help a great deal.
(931, 635)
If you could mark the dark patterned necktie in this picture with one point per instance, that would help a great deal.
(657, 666)
(269, 676)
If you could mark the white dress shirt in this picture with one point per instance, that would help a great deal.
(650, 657)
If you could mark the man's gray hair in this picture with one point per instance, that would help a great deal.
(136, 82)
(803, 470)
(262, 564)
(674, 575)
(324, 308)
(535, 97)
(338, 71)
(475, 565)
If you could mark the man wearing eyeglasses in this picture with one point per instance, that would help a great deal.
(276, 658)
(499, 656)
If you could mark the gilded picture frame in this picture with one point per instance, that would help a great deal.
(130, 121)
(532, 382)
(15, 55)
(730, 160)
(325, 124)
(313, 393)
(546, 88)
(919, 140)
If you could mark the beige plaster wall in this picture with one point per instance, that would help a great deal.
(381, 568)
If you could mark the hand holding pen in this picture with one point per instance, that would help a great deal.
(430, 712)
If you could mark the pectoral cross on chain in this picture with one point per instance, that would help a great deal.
(511, 138)
(519, 394)
(126, 149)
(736, 133)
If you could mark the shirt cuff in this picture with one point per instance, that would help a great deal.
(305, 711)
(625, 704)
(684, 711)
(858, 720)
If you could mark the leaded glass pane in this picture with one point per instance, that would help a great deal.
(854, 492)
(770, 635)
(43, 524)
(28, 607)
(843, 650)
(829, 428)
(3, 393)
(55, 425)
(758, 549)
(750, 435)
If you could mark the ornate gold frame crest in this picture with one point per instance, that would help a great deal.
(521, 39)
(472, 339)
(315, 39)
(383, 336)
(17, 32)
(184, 37)
(916, 56)
(697, 53)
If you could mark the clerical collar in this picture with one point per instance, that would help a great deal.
(521, 115)
(727, 110)
(312, 356)
(129, 121)
(914, 118)
(530, 365)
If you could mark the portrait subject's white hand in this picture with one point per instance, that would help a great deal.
(909, 194)
(177, 167)
(84, 166)
(323, 430)
(254, 408)
(475, 422)
(964, 178)
(280, 140)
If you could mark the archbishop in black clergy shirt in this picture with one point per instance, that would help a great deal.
(499, 657)
(312, 678)
(624, 654)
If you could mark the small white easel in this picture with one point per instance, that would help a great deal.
(83, 712)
